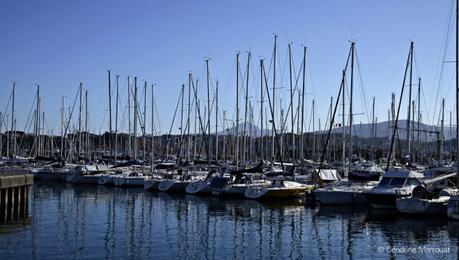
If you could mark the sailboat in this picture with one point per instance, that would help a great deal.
(395, 183)
(130, 178)
(424, 203)
(366, 172)
(86, 174)
(343, 193)
(152, 182)
(234, 183)
(201, 186)
(337, 191)
(53, 172)
(179, 180)
(278, 188)
(431, 197)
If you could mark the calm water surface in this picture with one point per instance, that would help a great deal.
(68, 221)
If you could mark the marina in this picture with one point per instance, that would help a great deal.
(239, 154)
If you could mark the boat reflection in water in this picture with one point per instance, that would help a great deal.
(107, 222)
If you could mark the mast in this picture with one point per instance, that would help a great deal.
(189, 117)
(442, 122)
(419, 110)
(450, 133)
(261, 110)
(303, 103)
(224, 135)
(196, 117)
(274, 100)
(145, 122)
(376, 136)
(314, 129)
(116, 117)
(244, 145)
(42, 143)
(79, 118)
(457, 91)
(37, 121)
(408, 122)
(413, 106)
(152, 124)
(1, 134)
(62, 152)
(351, 149)
(298, 120)
(86, 124)
(282, 128)
(13, 134)
(373, 130)
(216, 120)
(330, 115)
(129, 116)
(291, 102)
(7, 137)
(237, 110)
(208, 110)
(135, 118)
(109, 113)
(343, 126)
(182, 93)
(393, 121)
(251, 154)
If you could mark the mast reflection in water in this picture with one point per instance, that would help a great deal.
(99, 222)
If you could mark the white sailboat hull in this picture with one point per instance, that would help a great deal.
(198, 187)
(413, 205)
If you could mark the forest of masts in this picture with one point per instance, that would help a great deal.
(282, 132)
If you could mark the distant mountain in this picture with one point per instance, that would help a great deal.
(383, 129)
(251, 129)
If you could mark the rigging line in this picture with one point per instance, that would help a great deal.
(27, 122)
(324, 150)
(139, 112)
(158, 128)
(398, 113)
(450, 83)
(71, 112)
(447, 32)
(33, 143)
(273, 121)
(296, 89)
(6, 109)
(429, 119)
(362, 86)
(175, 114)
(270, 66)
(308, 133)
(200, 120)
(225, 85)
(102, 123)
(289, 109)
(283, 71)
(173, 120)
(122, 121)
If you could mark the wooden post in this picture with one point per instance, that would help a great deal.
(9, 204)
(3, 205)
(16, 202)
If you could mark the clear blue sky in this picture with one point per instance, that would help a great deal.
(59, 43)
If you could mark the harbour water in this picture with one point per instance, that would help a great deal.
(70, 221)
